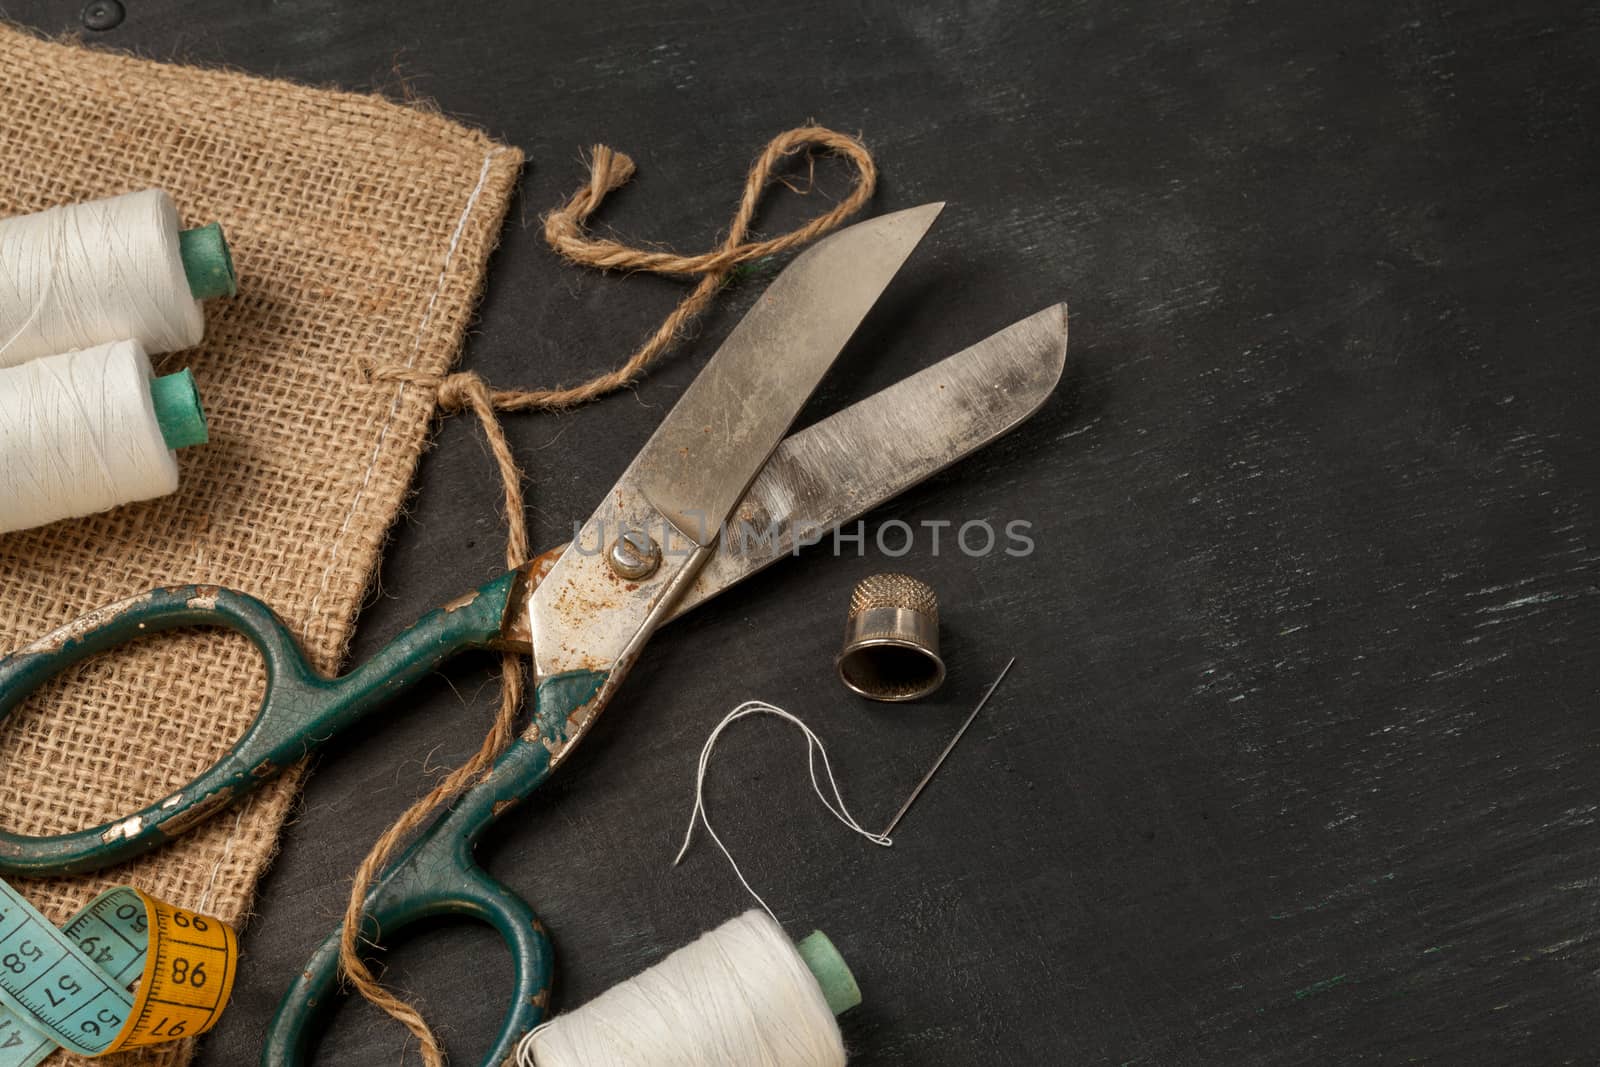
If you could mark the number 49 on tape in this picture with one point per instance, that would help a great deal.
(70, 987)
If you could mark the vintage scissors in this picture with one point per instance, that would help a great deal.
(656, 546)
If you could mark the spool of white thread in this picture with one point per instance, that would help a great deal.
(82, 275)
(86, 431)
(739, 996)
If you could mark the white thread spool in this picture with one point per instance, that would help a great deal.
(740, 996)
(82, 275)
(85, 431)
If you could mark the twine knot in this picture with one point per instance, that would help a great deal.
(456, 392)
(564, 230)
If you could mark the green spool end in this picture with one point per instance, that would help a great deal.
(831, 972)
(178, 410)
(207, 263)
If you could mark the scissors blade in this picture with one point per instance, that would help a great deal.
(657, 526)
(847, 464)
(698, 464)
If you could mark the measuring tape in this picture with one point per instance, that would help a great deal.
(69, 987)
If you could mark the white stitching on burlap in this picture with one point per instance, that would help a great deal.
(394, 409)
(227, 847)
(399, 392)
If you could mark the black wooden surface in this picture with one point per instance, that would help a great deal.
(1297, 764)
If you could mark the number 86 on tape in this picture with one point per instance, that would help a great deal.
(68, 988)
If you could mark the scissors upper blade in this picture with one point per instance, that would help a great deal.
(698, 464)
(657, 526)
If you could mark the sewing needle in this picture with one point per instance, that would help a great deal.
(915, 793)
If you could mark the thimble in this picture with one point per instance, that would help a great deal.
(891, 640)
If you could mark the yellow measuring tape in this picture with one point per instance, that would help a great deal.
(74, 987)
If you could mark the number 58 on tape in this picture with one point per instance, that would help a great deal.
(70, 987)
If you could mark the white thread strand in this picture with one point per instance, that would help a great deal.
(739, 996)
(78, 434)
(814, 748)
(86, 274)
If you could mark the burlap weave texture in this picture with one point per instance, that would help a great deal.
(360, 230)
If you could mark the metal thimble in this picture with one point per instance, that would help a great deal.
(891, 640)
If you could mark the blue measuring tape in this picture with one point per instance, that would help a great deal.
(70, 987)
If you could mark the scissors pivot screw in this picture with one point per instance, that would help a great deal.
(634, 555)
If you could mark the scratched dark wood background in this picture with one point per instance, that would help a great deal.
(1298, 763)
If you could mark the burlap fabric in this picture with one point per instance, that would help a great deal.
(360, 229)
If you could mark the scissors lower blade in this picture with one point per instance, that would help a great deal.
(849, 463)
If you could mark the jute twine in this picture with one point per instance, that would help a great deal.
(565, 231)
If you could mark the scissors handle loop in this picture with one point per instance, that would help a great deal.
(438, 877)
(300, 709)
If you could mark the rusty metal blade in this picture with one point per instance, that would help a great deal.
(697, 465)
(854, 460)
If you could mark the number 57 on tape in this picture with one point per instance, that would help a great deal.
(70, 987)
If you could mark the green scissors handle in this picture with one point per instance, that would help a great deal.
(438, 877)
(300, 709)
